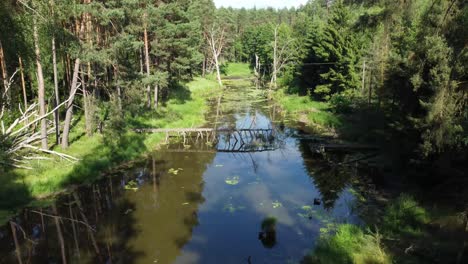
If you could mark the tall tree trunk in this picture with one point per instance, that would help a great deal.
(57, 96)
(216, 46)
(218, 73)
(40, 84)
(56, 89)
(147, 62)
(69, 114)
(73, 88)
(204, 66)
(23, 82)
(88, 125)
(156, 96)
(4, 75)
(275, 60)
(59, 234)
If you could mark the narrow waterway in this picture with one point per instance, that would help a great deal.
(256, 194)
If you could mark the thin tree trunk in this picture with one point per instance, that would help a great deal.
(59, 234)
(147, 63)
(41, 87)
(88, 128)
(69, 114)
(218, 73)
(4, 75)
(204, 67)
(56, 89)
(156, 97)
(275, 60)
(17, 245)
(23, 83)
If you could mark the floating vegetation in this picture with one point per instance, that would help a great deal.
(174, 171)
(131, 185)
(231, 208)
(358, 195)
(276, 204)
(232, 180)
(307, 211)
(185, 204)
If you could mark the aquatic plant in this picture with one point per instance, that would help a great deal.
(131, 185)
(276, 204)
(174, 171)
(232, 180)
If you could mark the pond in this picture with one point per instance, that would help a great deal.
(256, 194)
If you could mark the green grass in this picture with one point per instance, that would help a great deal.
(307, 110)
(21, 187)
(234, 69)
(349, 244)
(405, 216)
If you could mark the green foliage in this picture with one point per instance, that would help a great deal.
(349, 244)
(405, 216)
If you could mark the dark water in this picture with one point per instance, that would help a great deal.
(199, 202)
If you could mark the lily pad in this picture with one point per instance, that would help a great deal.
(174, 171)
(276, 204)
(232, 180)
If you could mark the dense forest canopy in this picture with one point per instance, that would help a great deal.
(405, 60)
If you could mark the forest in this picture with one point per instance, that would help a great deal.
(81, 79)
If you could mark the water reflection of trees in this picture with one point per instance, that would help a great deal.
(329, 178)
(105, 223)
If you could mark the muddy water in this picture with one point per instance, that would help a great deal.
(199, 202)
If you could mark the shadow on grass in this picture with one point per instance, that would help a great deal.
(122, 148)
(180, 93)
(14, 193)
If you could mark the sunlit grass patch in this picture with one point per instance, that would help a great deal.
(349, 244)
(316, 112)
(237, 70)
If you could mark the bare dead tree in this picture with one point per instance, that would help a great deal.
(282, 54)
(216, 39)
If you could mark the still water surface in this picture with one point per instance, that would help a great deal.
(202, 202)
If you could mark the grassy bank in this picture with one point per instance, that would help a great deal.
(97, 154)
(315, 114)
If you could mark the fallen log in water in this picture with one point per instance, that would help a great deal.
(341, 147)
(196, 130)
